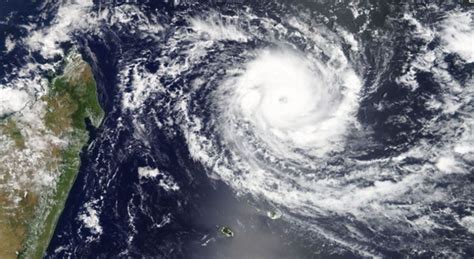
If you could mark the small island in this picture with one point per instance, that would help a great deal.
(227, 231)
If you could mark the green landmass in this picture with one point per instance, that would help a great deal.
(227, 231)
(11, 129)
(71, 100)
(27, 227)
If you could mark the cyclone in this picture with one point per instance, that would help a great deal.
(278, 117)
(287, 99)
(283, 124)
(347, 126)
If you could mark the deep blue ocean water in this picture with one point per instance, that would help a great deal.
(132, 210)
(109, 173)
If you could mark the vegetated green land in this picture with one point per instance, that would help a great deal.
(71, 100)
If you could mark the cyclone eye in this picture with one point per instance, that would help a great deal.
(283, 100)
(345, 126)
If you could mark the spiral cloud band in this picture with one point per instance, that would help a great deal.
(293, 112)
(347, 126)
(293, 104)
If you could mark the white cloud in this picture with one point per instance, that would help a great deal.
(468, 223)
(458, 34)
(12, 100)
(166, 182)
(148, 172)
(448, 165)
(217, 28)
(91, 220)
(70, 17)
(9, 44)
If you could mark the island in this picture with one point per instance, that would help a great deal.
(40, 150)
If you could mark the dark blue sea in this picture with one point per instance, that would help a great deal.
(138, 218)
